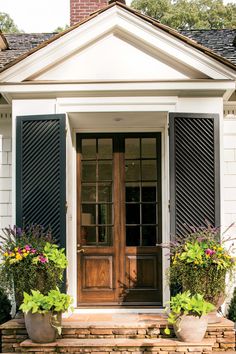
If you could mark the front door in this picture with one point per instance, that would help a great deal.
(119, 219)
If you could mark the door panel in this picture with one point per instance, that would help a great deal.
(97, 272)
(119, 219)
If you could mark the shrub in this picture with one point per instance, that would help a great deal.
(232, 308)
(5, 307)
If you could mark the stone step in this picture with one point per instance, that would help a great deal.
(142, 326)
(118, 346)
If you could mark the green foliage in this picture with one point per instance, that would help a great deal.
(232, 308)
(54, 301)
(185, 304)
(7, 24)
(30, 261)
(5, 307)
(55, 255)
(61, 29)
(190, 14)
(199, 263)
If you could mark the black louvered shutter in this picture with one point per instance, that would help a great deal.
(41, 173)
(194, 171)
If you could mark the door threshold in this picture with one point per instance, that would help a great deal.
(117, 310)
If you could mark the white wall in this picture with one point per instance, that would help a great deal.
(229, 179)
(5, 173)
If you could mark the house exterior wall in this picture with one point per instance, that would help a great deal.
(5, 171)
(229, 178)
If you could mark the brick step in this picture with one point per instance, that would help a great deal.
(119, 346)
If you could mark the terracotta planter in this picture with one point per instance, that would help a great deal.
(40, 326)
(190, 328)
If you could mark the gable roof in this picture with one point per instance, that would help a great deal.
(21, 46)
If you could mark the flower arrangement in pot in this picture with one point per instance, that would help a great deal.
(43, 314)
(30, 260)
(188, 316)
(200, 262)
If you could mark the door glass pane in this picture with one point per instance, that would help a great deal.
(132, 170)
(105, 235)
(149, 236)
(104, 214)
(148, 148)
(132, 236)
(105, 170)
(105, 149)
(88, 235)
(88, 148)
(149, 192)
(132, 148)
(88, 193)
(132, 193)
(148, 213)
(105, 192)
(88, 214)
(89, 171)
(132, 214)
(149, 170)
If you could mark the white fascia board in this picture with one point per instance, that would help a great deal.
(78, 88)
(109, 21)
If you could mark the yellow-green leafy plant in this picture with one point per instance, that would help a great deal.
(186, 304)
(30, 260)
(199, 263)
(54, 302)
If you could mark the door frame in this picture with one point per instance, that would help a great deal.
(72, 130)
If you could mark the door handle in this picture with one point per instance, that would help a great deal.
(79, 250)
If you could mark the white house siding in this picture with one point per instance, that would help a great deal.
(5, 170)
(229, 180)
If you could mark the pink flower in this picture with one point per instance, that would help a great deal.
(33, 250)
(43, 259)
(27, 248)
(209, 252)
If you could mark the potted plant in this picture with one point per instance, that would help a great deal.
(30, 260)
(199, 263)
(188, 316)
(43, 314)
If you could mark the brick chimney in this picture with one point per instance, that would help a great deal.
(80, 9)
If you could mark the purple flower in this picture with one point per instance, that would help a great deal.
(27, 248)
(18, 231)
(33, 250)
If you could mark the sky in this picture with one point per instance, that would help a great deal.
(40, 15)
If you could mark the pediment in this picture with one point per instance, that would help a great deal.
(114, 58)
(116, 45)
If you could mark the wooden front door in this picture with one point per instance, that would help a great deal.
(119, 219)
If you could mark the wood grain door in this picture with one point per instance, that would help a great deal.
(119, 219)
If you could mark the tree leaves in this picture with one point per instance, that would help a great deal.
(190, 14)
(7, 24)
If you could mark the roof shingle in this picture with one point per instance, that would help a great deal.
(222, 42)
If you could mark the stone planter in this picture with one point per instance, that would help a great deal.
(191, 328)
(41, 328)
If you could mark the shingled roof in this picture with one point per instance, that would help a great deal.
(21, 43)
(222, 42)
(219, 42)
